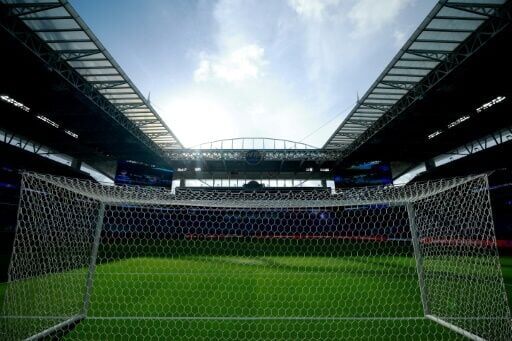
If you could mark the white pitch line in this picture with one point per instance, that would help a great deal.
(226, 318)
(35, 317)
(252, 318)
(214, 273)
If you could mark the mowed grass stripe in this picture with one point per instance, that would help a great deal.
(377, 286)
(241, 290)
(349, 291)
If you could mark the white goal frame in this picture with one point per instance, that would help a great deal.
(436, 238)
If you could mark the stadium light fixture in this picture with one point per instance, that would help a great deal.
(458, 121)
(197, 169)
(15, 103)
(489, 104)
(70, 133)
(434, 134)
(461, 119)
(43, 118)
(48, 121)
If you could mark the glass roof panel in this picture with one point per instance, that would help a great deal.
(403, 78)
(446, 24)
(33, 1)
(52, 12)
(116, 91)
(51, 24)
(434, 46)
(437, 37)
(389, 91)
(93, 63)
(103, 78)
(65, 32)
(424, 64)
(121, 96)
(497, 2)
(384, 95)
(408, 72)
(94, 57)
(71, 35)
(137, 100)
(98, 70)
(379, 101)
(458, 14)
(446, 36)
(73, 46)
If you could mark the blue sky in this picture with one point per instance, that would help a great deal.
(266, 68)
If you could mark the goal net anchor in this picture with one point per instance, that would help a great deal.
(456, 329)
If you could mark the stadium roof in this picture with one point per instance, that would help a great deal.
(435, 79)
(61, 28)
(434, 49)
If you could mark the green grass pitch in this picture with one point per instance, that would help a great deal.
(259, 298)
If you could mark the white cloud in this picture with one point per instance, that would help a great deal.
(316, 10)
(282, 69)
(370, 16)
(203, 71)
(399, 37)
(245, 62)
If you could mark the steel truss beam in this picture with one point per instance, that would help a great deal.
(483, 143)
(22, 142)
(32, 146)
(499, 19)
(31, 8)
(319, 155)
(258, 175)
(55, 60)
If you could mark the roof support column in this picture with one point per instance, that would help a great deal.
(76, 164)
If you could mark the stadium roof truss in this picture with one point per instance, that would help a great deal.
(451, 33)
(319, 155)
(60, 28)
(248, 143)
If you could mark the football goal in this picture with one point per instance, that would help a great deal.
(103, 262)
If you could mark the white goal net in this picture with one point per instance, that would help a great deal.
(98, 262)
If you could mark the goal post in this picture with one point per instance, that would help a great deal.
(418, 256)
(50, 262)
(460, 276)
(92, 261)
(94, 255)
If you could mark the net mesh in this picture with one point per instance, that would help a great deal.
(107, 262)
